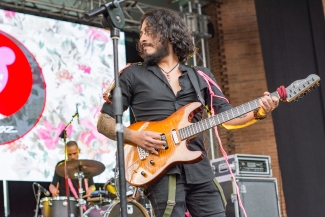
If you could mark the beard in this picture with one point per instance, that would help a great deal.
(161, 52)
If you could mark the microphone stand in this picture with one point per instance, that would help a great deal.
(113, 20)
(63, 135)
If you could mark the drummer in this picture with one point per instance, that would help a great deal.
(58, 187)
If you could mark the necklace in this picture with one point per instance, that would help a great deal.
(167, 73)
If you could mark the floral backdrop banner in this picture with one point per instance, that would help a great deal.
(48, 68)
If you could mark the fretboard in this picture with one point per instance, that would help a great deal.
(220, 118)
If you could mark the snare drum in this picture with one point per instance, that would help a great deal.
(58, 206)
(134, 209)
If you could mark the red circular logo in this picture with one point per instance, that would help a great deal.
(21, 84)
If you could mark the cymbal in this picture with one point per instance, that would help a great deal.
(89, 168)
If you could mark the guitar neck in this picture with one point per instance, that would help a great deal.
(220, 118)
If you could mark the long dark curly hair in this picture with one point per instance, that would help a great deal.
(170, 27)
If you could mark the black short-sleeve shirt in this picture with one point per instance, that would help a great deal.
(146, 90)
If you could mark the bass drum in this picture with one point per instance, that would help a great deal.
(134, 209)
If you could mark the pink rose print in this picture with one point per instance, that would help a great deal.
(93, 140)
(77, 89)
(7, 57)
(10, 14)
(14, 146)
(64, 75)
(84, 68)
(51, 134)
(97, 34)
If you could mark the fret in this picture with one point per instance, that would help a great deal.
(243, 106)
(214, 122)
(186, 132)
(211, 123)
(200, 127)
(206, 123)
(218, 119)
(191, 130)
(256, 103)
(197, 128)
(227, 115)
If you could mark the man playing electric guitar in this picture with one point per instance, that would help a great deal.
(155, 90)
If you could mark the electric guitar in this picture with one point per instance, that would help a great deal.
(143, 168)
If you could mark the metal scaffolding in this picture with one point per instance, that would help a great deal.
(198, 23)
(74, 10)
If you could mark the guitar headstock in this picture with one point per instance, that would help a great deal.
(299, 88)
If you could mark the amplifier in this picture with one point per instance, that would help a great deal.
(243, 165)
(259, 196)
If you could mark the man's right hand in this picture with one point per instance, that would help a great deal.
(148, 140)
(54, 191)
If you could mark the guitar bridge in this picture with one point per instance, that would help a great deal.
(143, 153)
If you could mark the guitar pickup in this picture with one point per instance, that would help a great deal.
(175, 137)
(163, 138)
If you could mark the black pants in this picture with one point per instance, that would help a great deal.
(201, 200)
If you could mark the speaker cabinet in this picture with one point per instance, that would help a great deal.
(259, 196)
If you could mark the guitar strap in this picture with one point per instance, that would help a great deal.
(171, 195)
(192, 74)
(224, 201)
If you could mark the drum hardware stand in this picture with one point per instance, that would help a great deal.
(116, 179)
(63, 135)
(91, 208)
(149, 207)
(146, 205)
(100, 195)
(37, 202)
(113, 19)
(135, 192)
(80, 175)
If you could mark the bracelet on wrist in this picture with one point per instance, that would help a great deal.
(257, 115)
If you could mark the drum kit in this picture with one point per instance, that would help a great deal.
(102, 203)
